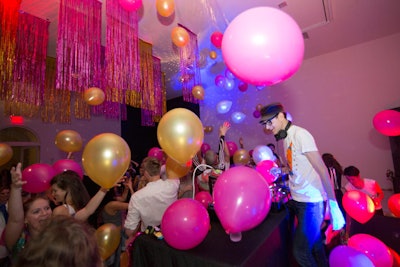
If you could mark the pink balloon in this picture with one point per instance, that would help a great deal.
(204, 197)
(232, 147)
(387, 122)
(205, 147)
(270, 42)
(130, 5)
(185, 224)
(220, 81)
(256, 114)
(157, 153)
(358, 205)
(38, 177)
(264, 167)
(243, 86)
(242, 199)
(345, 256)
(394, 204)
(374, 248)
(216, 39)
(63, 165)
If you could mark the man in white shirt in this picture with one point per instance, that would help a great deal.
(147, 205)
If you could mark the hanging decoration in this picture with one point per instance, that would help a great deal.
(189, 58)
(147, 83)
(122, 55)
(8, 29)
(79, 45)
(160, 91)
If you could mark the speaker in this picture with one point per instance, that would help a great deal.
(283, 133)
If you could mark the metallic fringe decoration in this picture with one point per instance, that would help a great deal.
(122, 56)
(8, 32)
(78, 45)
(190, 71)
(147, 83)
(159, 91)
(57, 103)
(30, 65)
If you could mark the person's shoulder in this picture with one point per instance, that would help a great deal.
(60, 210)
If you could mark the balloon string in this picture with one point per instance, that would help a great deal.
(194, 174)
(69, 155)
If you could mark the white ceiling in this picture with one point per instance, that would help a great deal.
(329, 24)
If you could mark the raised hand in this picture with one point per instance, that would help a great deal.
(16, 176)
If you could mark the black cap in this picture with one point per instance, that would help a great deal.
(270, 111)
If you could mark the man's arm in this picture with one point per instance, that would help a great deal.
(336, 215)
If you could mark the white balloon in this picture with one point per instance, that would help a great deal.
(224, 106)
(238, 117)
(261, 153)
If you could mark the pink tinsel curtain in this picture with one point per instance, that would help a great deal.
(78, 45)
(122, 56)
(147, 83)
(190, 71)
(8, 32)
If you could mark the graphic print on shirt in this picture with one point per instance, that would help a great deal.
(289, 156)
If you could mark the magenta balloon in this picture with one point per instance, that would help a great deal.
(157, 153)
(242, 199)
(374, 248)
(243, 86)
(205, 147)
(270, 42)
(63, 165)
(220, 81)
(387, 122)
(216, 39)
(130, 5)
(232, 147)
(38, 177)
(204, 197)
(264, 167)
(185, 224)
(345, 256)
(256, 114)
(358, 206)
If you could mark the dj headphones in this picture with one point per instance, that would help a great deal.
(283, 133)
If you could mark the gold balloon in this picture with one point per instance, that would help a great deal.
(180, 37)
(106, 158)
(6, 153)
(165, 7)
(241, 157)
(259, 107)
(175, 169)
(213, 54)
(198, 92)
(180, 134)
(94, 96)
(108, 237)
(208, 129)
(124, 259)
(68, 141)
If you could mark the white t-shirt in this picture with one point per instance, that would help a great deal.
(304, 182)
(148, 204)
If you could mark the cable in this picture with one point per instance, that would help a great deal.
(194, 174)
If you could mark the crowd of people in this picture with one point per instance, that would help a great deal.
(30, 222)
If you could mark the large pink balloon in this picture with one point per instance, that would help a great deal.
(242, 199)
(185, 224)
(264, 167)
(38, 177)
(204, 197)
(345, 256)
(270, 42)
(358, 205)
(387, 122)
(63, 165)
(374, 248)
